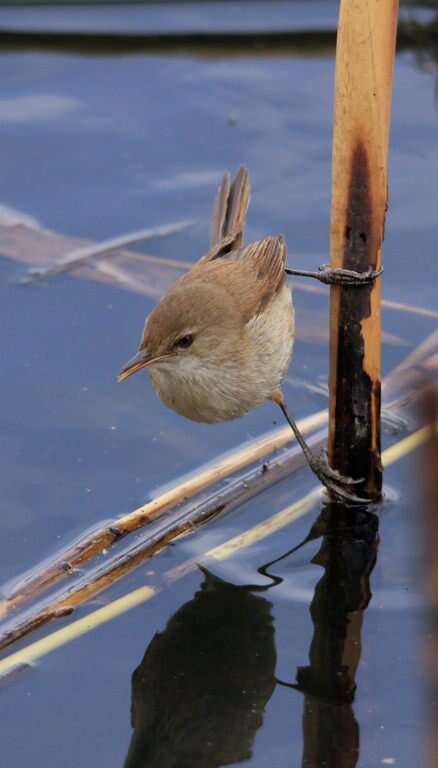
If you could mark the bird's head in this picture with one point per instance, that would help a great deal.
(195, 324)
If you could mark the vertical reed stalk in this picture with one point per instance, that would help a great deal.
(364, 65)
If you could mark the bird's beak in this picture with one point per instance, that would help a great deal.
(141, 360)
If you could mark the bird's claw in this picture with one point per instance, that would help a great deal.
(346, 277)
(338, 275)
(340, 486)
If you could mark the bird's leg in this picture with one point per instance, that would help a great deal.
(338, 276)
(336, 483)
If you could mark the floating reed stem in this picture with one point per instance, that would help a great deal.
(184, 520)
(364, 64)
(104, 535)
(65, 602)
(80, 256)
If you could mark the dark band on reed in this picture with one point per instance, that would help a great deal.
(354, 445)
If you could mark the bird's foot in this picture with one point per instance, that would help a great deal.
(339, 276)
(344, 277)
(340, 486)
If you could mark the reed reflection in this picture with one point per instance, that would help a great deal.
(199, 694)
(348, 552)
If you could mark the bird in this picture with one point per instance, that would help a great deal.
(200, 692)
(219, 342)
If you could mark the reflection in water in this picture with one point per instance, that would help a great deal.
(199, 695)
(347, 554)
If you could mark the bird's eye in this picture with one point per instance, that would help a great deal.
(185, 341)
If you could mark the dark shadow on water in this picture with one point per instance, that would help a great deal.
(200, 692)
(413, 35)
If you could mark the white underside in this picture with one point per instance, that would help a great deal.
(209, 392)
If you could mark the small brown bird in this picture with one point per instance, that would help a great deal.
(220, 341)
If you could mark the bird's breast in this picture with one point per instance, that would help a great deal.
(201, 392)
(215, 390)
(272, 335)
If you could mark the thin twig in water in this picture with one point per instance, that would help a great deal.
(397, 306)
(410, 373)
(79, 256)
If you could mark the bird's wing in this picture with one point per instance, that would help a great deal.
(253, 275)
(229, 214)
(264, 262)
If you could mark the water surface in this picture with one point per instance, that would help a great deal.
(96, 146)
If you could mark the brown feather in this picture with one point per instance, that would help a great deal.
(237, 207)
(266, 260)
(229, 214)
(220, 211)
(252, 276)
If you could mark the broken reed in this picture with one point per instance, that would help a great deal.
(364, 64)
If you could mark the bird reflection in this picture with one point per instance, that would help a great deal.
(199, 694)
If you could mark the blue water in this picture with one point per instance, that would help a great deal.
(95, 147)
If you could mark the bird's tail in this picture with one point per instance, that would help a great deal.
(230, 208)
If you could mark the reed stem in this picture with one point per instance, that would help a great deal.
(363, 87)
